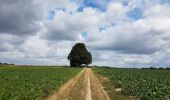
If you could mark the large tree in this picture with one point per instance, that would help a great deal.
(79, 55)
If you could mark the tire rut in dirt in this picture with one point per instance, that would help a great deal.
(98, 93)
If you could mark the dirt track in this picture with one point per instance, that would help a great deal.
(84, 86)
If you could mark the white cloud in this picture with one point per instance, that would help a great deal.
(161, 11)
(116, 12)
(66, 26)
(113, 38)
(35, 47)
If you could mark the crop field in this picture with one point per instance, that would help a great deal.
(32, 83)
(144, 84)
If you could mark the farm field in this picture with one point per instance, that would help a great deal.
(61, 83)
(50, 83)
(84, 49)
(143, 84)
(32, 83)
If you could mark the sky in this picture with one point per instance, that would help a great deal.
(129, 33)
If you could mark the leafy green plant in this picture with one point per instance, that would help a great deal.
(145, 84)
(32, 83)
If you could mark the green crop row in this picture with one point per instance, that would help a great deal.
(32, 83)
(145, 84)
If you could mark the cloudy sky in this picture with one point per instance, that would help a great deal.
(116, 32)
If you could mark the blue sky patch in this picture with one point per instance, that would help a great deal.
(84, 34)
(50, 15)
(100, 5)
(90, 3)
(135, 14)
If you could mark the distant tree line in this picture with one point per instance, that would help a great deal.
(6, 63)
(159, 68)
(148, 68)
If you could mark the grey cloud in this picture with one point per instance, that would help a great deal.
(19, 17)
(58, 33)
(134, 45)
(128, 48)
(10, 42)
(4, 47)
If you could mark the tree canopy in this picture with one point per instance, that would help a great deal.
(79, 55)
